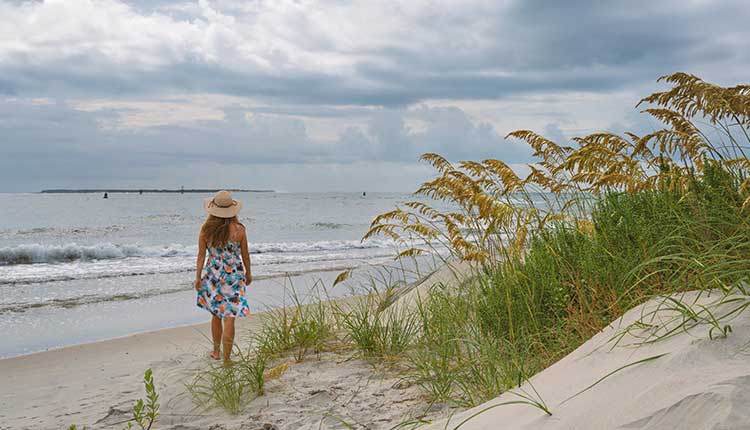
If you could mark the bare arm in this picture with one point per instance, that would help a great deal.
(201, 260)
(245, 257)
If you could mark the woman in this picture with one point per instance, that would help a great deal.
(221, 286)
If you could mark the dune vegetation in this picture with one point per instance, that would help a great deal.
(595, 229)
(600, 225)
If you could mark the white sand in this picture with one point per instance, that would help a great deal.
(96, 385)
(700, 384)
(79, 384)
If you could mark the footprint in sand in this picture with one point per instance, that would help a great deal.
(114, 416)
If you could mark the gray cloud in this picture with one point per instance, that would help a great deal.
(53, 145)
(479, 51)
(314, 86)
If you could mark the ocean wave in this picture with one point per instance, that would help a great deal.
(37, 253)
(323, 245)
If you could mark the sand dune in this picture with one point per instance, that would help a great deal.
(698, 384)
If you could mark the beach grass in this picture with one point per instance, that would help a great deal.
(597, 228)
(374, 332)
(301, 328)
(229, 387)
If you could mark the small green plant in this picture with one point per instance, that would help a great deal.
(146, 414)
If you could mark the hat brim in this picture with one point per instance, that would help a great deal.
(227, 212)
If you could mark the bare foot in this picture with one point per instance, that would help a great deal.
(214, 355)
(228, 363)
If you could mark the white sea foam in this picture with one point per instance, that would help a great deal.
(35, 264)
(81, 282)
(37, 253)
(324, 245)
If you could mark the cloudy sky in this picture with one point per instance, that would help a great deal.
(343, 95)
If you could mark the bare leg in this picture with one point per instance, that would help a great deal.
(216, 333)
(228, 338)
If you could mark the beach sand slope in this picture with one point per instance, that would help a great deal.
(95, 385)
(698, 384)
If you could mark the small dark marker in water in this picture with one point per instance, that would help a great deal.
(105, 196)
(364, 193)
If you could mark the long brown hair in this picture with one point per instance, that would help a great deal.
(216, 230)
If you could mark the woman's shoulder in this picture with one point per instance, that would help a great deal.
(238, 230)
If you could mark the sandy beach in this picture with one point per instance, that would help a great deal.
(82, 384)
(96, 384)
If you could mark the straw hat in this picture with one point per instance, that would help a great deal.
(222, 205)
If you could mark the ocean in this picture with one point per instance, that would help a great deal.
(77, 268)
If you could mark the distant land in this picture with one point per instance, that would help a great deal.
(149, 190)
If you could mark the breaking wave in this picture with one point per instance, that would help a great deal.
(36, 253)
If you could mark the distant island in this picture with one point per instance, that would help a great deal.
(149, 190)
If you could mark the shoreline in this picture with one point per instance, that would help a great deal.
(268, 292)
(114, 340)
(406, 291)
(83, 344)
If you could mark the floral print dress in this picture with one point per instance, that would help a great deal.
(222, 289)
